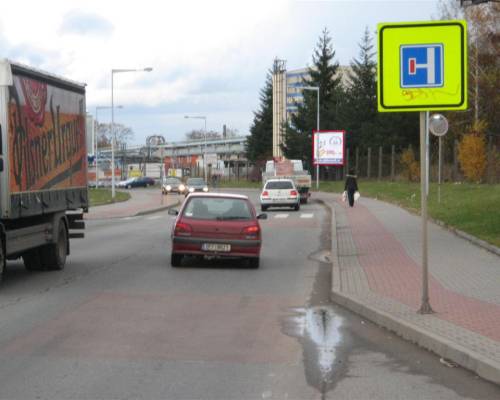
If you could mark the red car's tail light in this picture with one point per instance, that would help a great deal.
(294, 193)
(251, 232)
(265, 193)
(183, 229)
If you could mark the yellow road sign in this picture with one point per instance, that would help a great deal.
(422, 66)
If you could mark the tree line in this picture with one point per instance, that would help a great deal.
(353, 106)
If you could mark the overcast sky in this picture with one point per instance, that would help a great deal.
(209, 57)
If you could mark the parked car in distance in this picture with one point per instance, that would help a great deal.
(196, 185)
(217, 225)
(172, 185)
(141, 181)
(279, 193)
(125, 183)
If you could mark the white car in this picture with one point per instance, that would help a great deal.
(279, 193)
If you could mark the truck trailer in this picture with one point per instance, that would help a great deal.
(43, 166)
(289, 169)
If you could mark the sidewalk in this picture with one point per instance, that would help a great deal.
(142, 201)
(377, 273)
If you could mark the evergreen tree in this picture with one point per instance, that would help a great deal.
(365, 126)
(259, 145)
(325, 74)
(359, 111)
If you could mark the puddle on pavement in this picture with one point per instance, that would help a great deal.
(317, 327)
(318, 330)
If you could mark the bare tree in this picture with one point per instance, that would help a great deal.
(123, 134)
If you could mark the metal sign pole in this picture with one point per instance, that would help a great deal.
(317, 143)
(440, 166)
(425, 307)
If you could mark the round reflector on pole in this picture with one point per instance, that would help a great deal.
(438, 124)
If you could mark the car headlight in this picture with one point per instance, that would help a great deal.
(191, 190)
(182, 188)
(205, 189)
(169, 187)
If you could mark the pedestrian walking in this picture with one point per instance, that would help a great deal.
(214, 180)
(351, 186)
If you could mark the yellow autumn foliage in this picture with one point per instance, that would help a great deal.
(411, 167)
(472, 156)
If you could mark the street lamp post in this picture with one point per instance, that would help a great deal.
(205, 145)
(315, 89)
(95, 137)
(113, 138)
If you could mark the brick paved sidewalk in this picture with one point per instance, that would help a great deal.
(377, 273)
(141, 201)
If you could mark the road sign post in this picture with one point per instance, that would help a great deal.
(438, 125)
(422, 66)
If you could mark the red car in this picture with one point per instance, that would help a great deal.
(219, 225)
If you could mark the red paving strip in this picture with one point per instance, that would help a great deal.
(113, 325)
(393, 274)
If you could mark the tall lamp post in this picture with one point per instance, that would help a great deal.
(113, 137)
(95, 137)
(205, 145)
(315, 89)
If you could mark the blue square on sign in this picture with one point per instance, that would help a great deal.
(421, 65)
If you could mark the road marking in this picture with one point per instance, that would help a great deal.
(306, 215)
(154, 217)
(281, 216)
(129, 218)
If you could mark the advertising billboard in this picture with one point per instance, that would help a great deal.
(46, 136)
(329, 148)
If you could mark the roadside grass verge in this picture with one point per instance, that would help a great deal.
(472, 208)
(99, 197)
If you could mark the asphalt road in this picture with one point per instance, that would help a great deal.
(120, 323)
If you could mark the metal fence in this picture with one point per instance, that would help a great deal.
(384, 163)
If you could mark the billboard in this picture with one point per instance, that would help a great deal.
(46, 136)
(329, 148)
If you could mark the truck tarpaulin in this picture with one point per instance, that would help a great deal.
(46, 137)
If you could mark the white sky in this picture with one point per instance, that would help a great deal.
(209, 57)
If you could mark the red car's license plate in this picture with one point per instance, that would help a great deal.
(216, 247)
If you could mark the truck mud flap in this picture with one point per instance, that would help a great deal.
(75, 223)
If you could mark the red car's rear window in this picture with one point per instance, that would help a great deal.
(212, 208)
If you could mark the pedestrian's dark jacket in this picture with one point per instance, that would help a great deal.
(351, 184)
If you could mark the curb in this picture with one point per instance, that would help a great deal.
(466, 358)
(473, 239)
(460, 355)
(157, 209)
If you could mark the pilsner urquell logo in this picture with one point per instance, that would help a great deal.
(35, 94)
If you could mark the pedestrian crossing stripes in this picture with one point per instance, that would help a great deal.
(154, 217)
(284, 215)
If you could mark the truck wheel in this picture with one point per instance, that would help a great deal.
(2, 263)
(31, 259)
(175, 260)
(53, 256)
